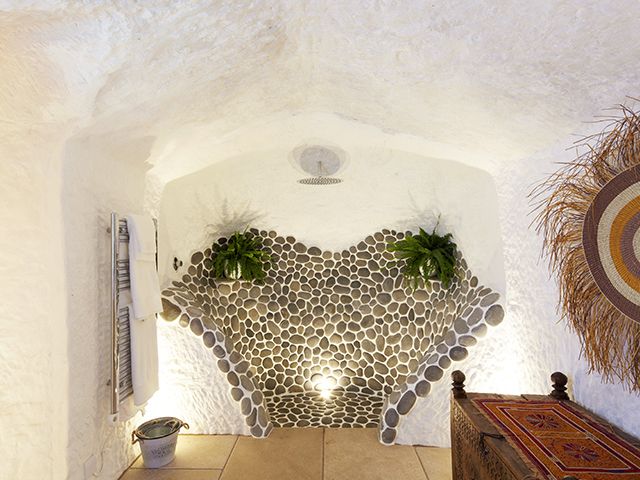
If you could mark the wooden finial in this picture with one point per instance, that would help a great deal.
(458, 384)
(559, 380)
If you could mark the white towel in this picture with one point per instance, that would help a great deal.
(143, 344)
(142, 235)
(145, 286)
(144, 358)
(146, 302)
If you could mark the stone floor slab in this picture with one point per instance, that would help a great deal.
(170, 474)
(288, 454)
(199, 452)
(436, 462)
(351, 454)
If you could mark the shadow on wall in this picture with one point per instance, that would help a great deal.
(219, 216)
(427, 217)
(233, 218)
(489, 261)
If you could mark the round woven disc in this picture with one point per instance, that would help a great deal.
(611, 240)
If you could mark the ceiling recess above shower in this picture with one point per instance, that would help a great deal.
(321, 162)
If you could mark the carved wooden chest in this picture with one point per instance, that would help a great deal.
(477, 450)
(535, 437)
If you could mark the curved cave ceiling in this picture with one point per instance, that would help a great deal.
(486, 81)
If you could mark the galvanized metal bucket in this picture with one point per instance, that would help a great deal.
(158, 439)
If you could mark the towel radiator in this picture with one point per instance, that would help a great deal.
(121, 382)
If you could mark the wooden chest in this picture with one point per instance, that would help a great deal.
(479, 449)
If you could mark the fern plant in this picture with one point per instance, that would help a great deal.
(426, 256)
(241, 257)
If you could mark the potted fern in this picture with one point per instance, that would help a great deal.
(426, 257)
(240, 258)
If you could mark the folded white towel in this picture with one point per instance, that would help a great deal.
(145, 285)
(144, 358)
(142, 235)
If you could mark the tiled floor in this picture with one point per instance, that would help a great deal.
(298, 454)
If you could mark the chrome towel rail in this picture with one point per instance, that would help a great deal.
(120, 382)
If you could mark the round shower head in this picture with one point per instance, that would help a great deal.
(320, 181)
(321, 162)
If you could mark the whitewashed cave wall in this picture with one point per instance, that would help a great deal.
(192, 387)
(382, 189)
(99, 176)
(33, 336)
(38, 113)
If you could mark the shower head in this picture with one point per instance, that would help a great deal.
(320, 181)
(321, 162)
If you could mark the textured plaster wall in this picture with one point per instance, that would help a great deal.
(33, 335)
(192, 387)
(498, 81)
(99, 177)
(37, 114)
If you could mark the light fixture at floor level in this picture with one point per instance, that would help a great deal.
(325, 387)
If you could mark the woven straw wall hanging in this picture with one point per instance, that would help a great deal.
(589, 215)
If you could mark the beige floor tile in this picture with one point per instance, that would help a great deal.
(288, 454)
(173, 474)
(199, 451)
(356, 454)
(436, 462)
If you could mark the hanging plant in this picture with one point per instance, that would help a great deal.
(425, 257)
(241, 257)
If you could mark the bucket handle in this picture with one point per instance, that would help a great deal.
(176, 423)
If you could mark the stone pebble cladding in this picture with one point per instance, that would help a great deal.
(342, 318)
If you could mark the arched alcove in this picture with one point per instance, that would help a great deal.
(292, 339)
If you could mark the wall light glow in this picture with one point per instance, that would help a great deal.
(325, 386)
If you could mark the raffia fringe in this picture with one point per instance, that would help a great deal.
(610, 340)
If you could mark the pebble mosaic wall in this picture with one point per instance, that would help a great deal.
(331, 338)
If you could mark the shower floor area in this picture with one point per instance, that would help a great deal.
(338, 409)
(297, 454)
